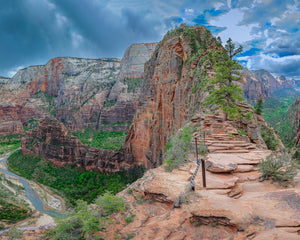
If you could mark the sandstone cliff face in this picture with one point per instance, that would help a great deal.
(254, 88)
(135, 56)
(79, 92)
(296, 120)
(166, 100)
(268, 79)
(261, 84)
(51, 141)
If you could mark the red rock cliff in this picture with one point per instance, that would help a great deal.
(167, 98)
(51, 141)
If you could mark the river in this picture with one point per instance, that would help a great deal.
(31, 194)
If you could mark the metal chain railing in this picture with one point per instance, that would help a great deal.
(199, 161)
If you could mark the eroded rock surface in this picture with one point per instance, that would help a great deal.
(164, 207)
(79, 92)
(51, 141)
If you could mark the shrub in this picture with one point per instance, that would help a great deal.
(280, 167)
(178, 149)
(269, 138)
(15, 233)
(130, 219)
(242, 132)
(296, 155)
(110, 203)
(248, 116)
(77, 225)
(258, 108)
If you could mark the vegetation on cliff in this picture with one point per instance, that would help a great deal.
(103, 139)
(280, 167)
(278, 113)
(86, 220)
(178, 148)
(72, 182)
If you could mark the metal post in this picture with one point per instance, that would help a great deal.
(196, 149)
(203, 172)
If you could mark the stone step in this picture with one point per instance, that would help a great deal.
(232, 144)
(231, 151)
(225, 142)
(213, 148)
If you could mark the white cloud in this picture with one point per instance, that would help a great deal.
(14, 70)
(77, 39)
(189, 11)
(231, 20)
(61, 20)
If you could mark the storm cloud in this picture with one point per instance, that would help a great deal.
(34, 31)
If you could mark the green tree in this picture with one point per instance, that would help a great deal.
(227, 72)
(258, 108)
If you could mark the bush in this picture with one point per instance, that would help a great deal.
(77, 225)
(15, 233)
(269, 138)
(296, 156)
(178, 148)
(110, 203)
(280, 167)
(258, 108)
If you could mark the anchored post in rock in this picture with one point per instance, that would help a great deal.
(199, 161)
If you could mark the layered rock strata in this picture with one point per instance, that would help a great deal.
(51, 141)
(261, 84)
(79, 92)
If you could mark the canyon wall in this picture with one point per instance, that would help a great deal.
(79, 92)
(296, 120)
(51, 141)
(261, 84)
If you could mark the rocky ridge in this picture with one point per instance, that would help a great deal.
(234, 205)
(167, 102)
(169, 97)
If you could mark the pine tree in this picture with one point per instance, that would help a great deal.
(258, 108)
(227, 72)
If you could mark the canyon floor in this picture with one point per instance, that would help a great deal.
(51, 202)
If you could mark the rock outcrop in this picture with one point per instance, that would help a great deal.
(166, 100)
(79, 92)
(169, 97)
(233, 205)
(51, 141)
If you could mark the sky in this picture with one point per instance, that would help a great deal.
(34, 31)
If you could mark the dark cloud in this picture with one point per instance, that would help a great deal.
(263, 11)
(33, 31)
